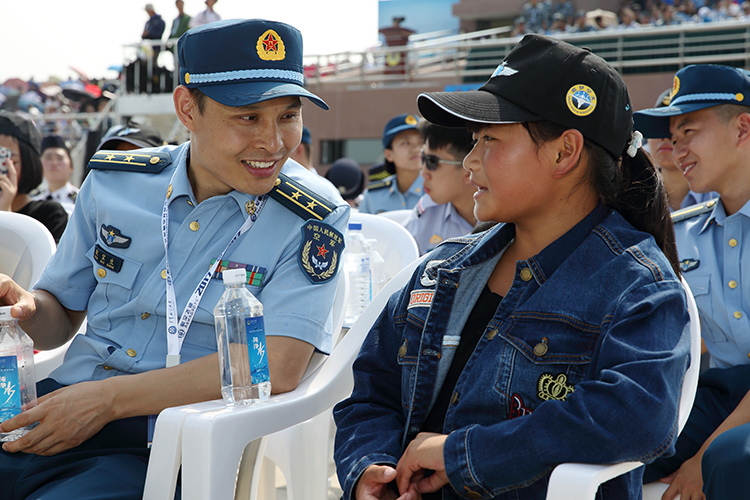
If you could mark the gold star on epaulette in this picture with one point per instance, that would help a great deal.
(141, 160)
(289, 193)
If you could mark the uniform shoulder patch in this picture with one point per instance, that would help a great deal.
(130, 161)
(320, 251)
(380, 184)
(300, 199)
(693, 211)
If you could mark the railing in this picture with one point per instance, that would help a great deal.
(472, 56)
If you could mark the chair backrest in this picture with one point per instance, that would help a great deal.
(399, 216)
(690, 382)
(394, 243)
(25, 247)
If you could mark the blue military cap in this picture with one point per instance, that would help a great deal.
(238, 62)
(397, 125)
(306, 139)
(696, 87)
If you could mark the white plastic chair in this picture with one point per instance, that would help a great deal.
(399, 216)
(573, 481)
(25, 247)
(394, 243)
(220, 448)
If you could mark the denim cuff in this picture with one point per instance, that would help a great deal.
(458, 465)
(359, 468)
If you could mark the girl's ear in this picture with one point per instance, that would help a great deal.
(566, 150)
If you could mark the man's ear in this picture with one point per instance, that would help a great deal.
(566, 151)
(184, 106)
(743, 129)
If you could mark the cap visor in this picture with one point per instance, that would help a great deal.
(653, 123)
(246, 93)
(454, 109)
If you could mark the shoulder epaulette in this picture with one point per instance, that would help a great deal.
(695, 210)
(300, 199)
(377, 176)
(130, 161)
(380, 184)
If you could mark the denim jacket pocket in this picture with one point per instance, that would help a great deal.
(115, 276)
(546, 357)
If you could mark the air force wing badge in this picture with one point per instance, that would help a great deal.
(503, 70)
(320, 251)
(114, 238)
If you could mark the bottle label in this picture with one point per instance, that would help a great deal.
(10, 389)
(256, 344)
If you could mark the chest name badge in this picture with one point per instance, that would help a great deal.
(320, 251)
(421, 298)
(550, 387)
(106, 259)
(689, 264)
(112, 237)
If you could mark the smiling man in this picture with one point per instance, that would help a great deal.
(708, 121)
(151, 227)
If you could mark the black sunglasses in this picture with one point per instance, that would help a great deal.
(430, 162)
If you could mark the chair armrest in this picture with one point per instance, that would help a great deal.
(581, 481)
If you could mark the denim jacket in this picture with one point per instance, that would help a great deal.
(583, 361)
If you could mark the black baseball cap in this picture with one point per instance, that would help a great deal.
(544, 79)
(140, 136)
(22, 128)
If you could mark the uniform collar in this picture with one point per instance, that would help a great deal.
(719, 214)
(415, 188)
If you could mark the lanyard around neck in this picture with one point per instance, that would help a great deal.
(176, 330)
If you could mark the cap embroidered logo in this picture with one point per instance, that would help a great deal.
(270, 46)
(581, 100)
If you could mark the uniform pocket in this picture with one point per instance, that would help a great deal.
(115, 275)
(700, 285)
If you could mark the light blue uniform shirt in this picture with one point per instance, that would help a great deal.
(693, 198)
(126, 310)
(431, 223)
(386, 196)
(711, 248)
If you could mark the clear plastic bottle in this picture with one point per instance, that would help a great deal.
(17, 381)
(357, 265)
(241, 340)
(378, 276)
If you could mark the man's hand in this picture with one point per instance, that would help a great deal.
(373, 485)
(424, 454)
(686, 481)
(12, 294)
(67, 417)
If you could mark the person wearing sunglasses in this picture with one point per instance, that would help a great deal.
(446, 209)
(402, 189)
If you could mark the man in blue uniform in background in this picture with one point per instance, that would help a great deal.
(708, 121)
(142, 259)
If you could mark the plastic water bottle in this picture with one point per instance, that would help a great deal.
(378, 277)
(17, 381)
(357, 265)
(241, 340)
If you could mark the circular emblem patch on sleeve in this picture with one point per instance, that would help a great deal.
(581, 100)
(270, 46)
(320, 251)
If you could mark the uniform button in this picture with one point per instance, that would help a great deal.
(169, 191)
(454, 398)
(526, 274)
(491, 334)
(748, 355)
(732, 284)
(402, 350)
(154, 160)
(194, 226)
(540, 349)
(164, 274)
(107, 367)
(732, 242)
(190, 203)
(145, 316)
(737, 314)
(101, 273)
(131, 353)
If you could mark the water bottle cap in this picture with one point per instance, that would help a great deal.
(355, 225)
(5, 313)
(234, 276)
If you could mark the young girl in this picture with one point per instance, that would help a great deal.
(559, 336)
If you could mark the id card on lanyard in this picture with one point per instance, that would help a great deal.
(177, 328)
